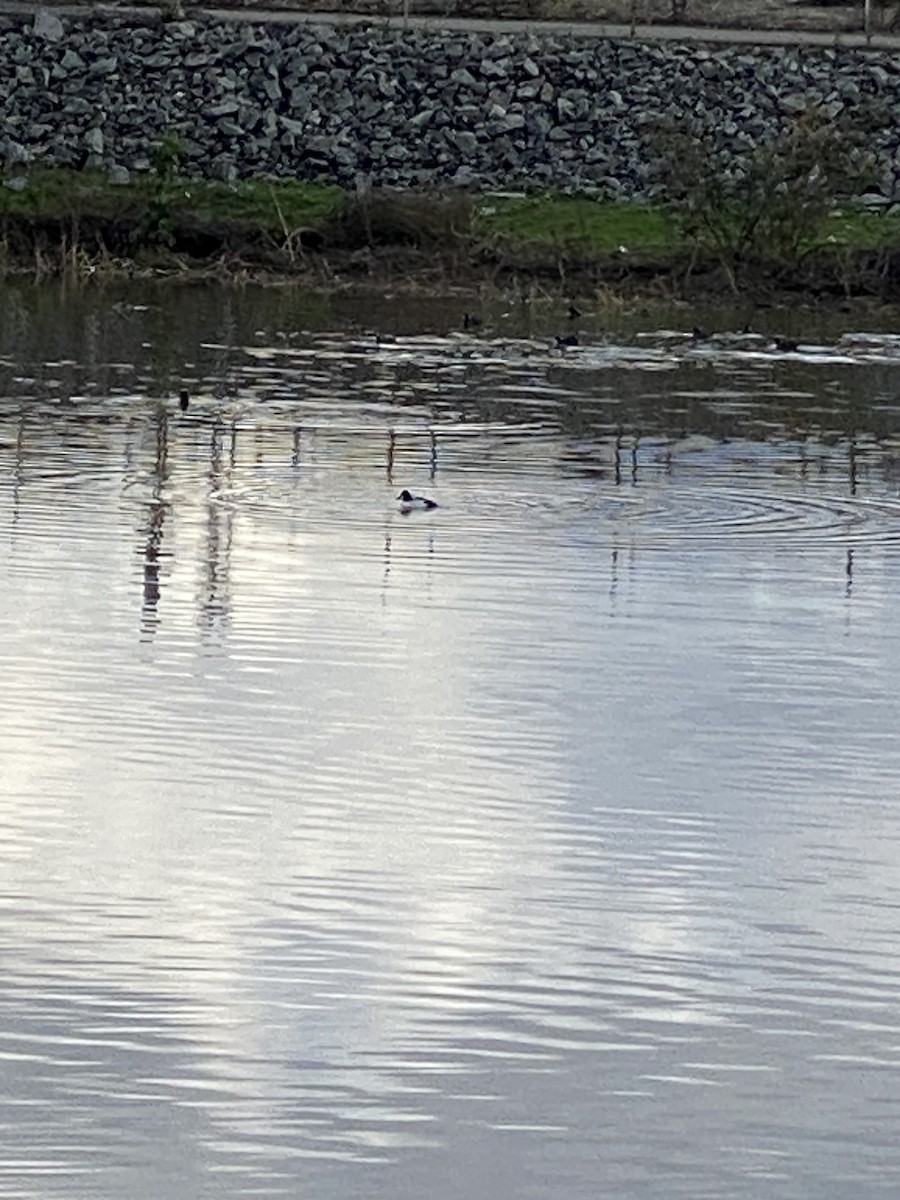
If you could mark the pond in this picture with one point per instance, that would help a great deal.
(544, 843)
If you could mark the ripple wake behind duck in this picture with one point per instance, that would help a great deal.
(715, 513)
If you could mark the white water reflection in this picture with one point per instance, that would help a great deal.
(540, 843)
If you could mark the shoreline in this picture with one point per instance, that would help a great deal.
(78, 226)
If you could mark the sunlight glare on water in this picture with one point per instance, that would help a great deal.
(540, 844)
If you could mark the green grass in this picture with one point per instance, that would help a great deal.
(269, 204)
(600, 228)
(266, 204)
(861, 229)
(55, 191)
(597, 228)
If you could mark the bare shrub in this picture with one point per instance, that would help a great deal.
(771, 207)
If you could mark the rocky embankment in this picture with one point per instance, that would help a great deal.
(410, 107)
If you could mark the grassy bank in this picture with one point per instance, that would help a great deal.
(56, 221)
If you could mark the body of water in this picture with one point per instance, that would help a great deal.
(544, 844)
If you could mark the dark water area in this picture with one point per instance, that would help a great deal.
(542, 844)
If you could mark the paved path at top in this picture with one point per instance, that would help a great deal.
(586, 29)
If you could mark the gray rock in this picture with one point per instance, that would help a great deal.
(464, 176)
(463, 77)
(18, 183)
(118, 175)
(880, 75)
(271, 89)
(528, 91)
(538, 124)
(465, 142)
(71, 61)
(795, 104)
(224, 169)
(47, 26)
(93, 140)
(15, 153)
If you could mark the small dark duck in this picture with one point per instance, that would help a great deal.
(410, 503)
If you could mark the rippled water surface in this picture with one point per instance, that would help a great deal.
(542, 845)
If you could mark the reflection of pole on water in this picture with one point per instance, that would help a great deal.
(295, 456)
(618, 447)
(215, 603)
(232, 450)
(152, 585)
(848, 571)
(852, 464)
(19, 467)
(392, 455)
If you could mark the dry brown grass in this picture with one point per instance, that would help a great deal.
(383, 217)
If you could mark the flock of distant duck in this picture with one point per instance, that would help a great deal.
(563, 341)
